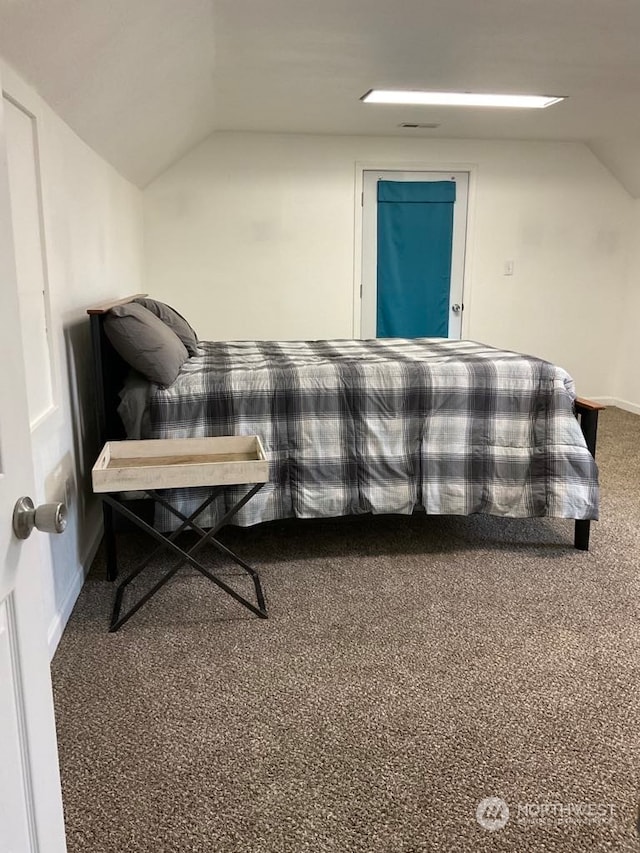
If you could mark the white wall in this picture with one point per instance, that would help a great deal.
(627, 391)
(93, 236)
(252, 236)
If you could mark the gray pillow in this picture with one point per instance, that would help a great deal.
(145, 342)
(174, 321)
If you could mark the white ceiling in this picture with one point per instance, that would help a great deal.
(142, 81)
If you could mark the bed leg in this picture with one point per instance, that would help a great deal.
(110, 542)
(588, 415)
(581, 538)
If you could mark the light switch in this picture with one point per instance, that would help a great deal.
(508, 267)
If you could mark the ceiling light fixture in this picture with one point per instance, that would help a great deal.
(458, 99)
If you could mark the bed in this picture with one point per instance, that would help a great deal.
(379, 426)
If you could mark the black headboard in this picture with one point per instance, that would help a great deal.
(110, 372)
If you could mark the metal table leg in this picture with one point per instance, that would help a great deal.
(168, 543)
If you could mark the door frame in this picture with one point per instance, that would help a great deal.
(410, 166)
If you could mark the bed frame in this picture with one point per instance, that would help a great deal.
(110, 371)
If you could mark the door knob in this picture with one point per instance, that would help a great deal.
(48, 518)
(456, 308)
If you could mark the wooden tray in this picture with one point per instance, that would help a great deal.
(181, 462)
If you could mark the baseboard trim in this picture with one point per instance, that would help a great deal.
(59, 623)
(620, 404)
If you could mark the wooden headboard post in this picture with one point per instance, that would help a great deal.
(109, 372)
(97, 334)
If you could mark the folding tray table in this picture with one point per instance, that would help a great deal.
(158, 464)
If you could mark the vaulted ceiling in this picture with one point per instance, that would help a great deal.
(142, 81)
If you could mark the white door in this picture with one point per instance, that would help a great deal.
(31, 816)
(369, 299)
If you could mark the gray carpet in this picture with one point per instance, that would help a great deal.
(410, 668)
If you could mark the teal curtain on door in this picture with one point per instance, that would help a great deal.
(415, 234)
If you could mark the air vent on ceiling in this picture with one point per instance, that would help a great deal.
(420, 126)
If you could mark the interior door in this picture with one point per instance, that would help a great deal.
(414, 239)
(31, 818)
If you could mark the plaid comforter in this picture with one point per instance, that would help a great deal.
(385, 426)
